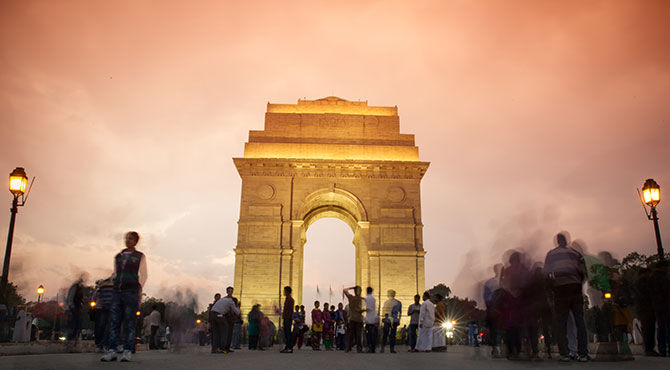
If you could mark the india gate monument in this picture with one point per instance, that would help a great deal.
(329, 158)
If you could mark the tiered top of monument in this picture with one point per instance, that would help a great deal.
(331, 128)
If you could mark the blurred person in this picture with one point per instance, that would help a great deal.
(154, 323)
(660, 286)
(424, 341)
(539, 307)
(371, 321)
(103, 303)
(645, 311)
(201, 330)
(566, 271)
(287, 320)
(492, 294)
(75, 300)
(439, 334)
(414, 311)
(254, 326)
(130, 274)
(393, 308)
(514, 279)
(386, 329)
(355, 327)
(297, 327)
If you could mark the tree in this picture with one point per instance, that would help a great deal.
(13, 296)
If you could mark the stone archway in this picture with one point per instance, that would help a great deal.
(329, 158)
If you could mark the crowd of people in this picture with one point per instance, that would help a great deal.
(526, 301)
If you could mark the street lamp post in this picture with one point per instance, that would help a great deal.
(651, 196)
(17, 186)
(40, 291)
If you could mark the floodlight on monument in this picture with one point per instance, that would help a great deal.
(651, 196)
(17, 186)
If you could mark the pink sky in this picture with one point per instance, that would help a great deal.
(536, 117)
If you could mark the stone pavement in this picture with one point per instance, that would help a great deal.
(200, 359)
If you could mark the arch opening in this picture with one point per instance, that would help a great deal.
(329, 261)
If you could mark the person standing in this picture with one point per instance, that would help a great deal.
(154, 325)
(355, 326)
(214, 329)
(426, 319)
(75, 300)
(237, 326)
(566, 271)
(645, 311)
(254, 326)
(439, 335)
(226, 311)
(317, 327)
(103, 305)
(130, 274)
(413, 312)
(660, 290)
(393, 308)
(287, 320)
(328, 329)
(492, 295)
(371, 321)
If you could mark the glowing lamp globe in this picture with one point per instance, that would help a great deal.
(93, 304)
(40, 290)
(18, 181)
(651, 193)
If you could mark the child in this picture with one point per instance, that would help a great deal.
(341, 335)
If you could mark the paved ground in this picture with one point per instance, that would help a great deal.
(199, 359)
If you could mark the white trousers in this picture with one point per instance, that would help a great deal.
(424, 341)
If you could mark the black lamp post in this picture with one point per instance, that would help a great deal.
(651, 196)
(17, 186)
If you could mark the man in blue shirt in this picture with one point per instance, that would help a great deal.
(393, 308)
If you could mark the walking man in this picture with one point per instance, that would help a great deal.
(566, 271)
(287, 320)
(130, 274)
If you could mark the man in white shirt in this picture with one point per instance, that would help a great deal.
(225, 311)
(371, 321)
(426, 321)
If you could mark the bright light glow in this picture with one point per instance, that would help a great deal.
(453, 322)
(651, 193)
(450, 334)
(40, 290)
(448, 325)
(608, 295)
(198, 321)
(93, 303)
(17, 184)
(62, 338)
(137, 313)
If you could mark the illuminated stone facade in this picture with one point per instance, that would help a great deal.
(329, 158)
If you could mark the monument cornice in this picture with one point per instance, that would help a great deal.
(288, 167)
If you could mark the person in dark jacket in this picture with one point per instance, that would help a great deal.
(130, 274)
